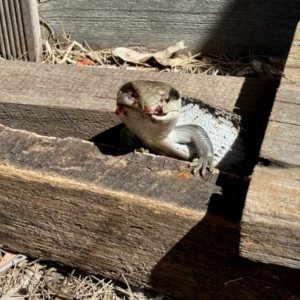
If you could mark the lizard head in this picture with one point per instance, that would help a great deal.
(155, 100)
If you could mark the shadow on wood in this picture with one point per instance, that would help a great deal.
(262, 26)
(212, 250)
(270, 230)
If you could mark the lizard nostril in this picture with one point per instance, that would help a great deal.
(120, 109)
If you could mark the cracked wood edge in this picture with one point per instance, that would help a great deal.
(83, 161)
(270, 230)
(111, 215)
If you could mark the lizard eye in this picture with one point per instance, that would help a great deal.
(129, 89)
(167, 98)
(173, 95)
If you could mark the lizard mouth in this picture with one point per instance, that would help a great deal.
(157, 112)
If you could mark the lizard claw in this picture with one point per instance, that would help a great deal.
(203, 146)
(141, 150)
(200, 165)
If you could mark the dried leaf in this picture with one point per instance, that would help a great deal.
(163, 57)
(245, 71)
(130, 55)
(256, 65)
(83, 61)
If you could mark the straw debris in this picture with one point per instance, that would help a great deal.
(32, 279)
(63, 50)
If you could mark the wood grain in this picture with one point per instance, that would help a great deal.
(271, 221)
(31, 26)
(281, 142)
(270, 229)
(66, 101)
(19, 30)
(114, 214)
(206, 26)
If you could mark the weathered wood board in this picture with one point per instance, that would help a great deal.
(19, 30)
(67, 101)
(226, 26)
(271, 223)
(61, 199)
(271, 220)
(284, 146)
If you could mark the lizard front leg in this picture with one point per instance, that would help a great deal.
(185, 134)
(184, 142)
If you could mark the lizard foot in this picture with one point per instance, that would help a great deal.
(141, 150)
(201, 165)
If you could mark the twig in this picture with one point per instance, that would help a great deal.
(233, 280)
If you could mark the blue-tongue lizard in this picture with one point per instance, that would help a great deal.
(180, 127)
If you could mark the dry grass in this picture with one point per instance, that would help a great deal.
(64, 50)
(36, 280)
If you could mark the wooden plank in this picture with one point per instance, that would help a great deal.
(31, 23)
(114, 214)
(281, 139)
(270, 224)
(286, 107)
(281, 144)
(271, 218)
(206, 26)
(293, 61)
(80, 102)
(19, 30)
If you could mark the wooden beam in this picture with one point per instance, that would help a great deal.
(270, 224)
(73, 101)
(206, 26)
(271, 219)
(32, 32)
(284, 146)
(63, 200)
(19, 30)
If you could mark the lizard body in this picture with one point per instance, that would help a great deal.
(180, 127)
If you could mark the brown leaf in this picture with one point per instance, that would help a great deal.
(83, 61)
